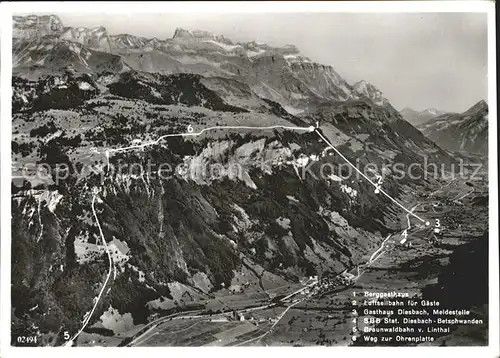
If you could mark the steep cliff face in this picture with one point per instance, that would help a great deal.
(50, 26)
(28, 27)
(97, 38)
(299, 86)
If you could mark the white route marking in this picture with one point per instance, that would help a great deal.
(195, 134)
(466, 194)
(87, 319)
(369, 180)
(408, 215)
(370, 260)
(40, 219)
(405, 233)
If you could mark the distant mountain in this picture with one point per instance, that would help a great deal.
(467, 131)
(45, 56)
(416, 118)
(33, 25)
(43, 45)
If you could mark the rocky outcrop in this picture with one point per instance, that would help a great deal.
(34, 26)
(96, 38)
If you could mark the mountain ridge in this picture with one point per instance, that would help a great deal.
(466, 131)
(418, 117)
(280, 74)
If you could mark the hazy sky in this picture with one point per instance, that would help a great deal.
(420, 60)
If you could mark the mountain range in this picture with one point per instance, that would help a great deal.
(416, 118)
(467, 131)
(42, 45)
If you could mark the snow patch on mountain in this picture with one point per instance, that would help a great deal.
(224, 46)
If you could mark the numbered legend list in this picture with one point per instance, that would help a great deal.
(396, 319)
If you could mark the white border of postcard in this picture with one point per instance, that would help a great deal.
(6, 11)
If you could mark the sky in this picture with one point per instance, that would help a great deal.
(418, 60)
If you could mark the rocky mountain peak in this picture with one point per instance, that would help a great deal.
(36, 26)
(184, 34)
(408, 110)
(364, 87)
(467, 131)
(479, 107)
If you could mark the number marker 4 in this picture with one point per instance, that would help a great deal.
(404, 236)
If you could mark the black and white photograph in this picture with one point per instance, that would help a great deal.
(249, 175)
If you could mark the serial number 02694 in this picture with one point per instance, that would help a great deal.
(27, 339)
